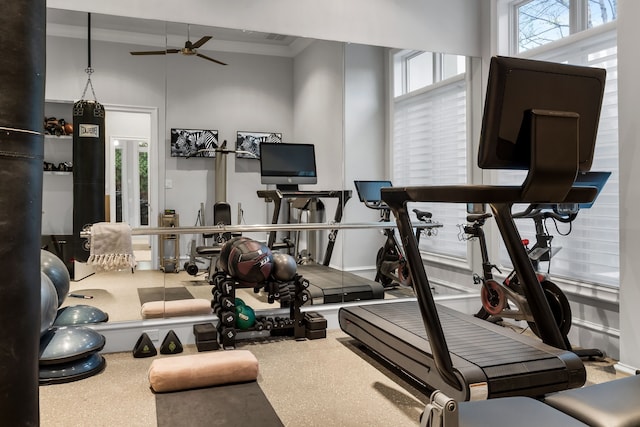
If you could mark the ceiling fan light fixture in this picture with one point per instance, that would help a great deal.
(189, 49)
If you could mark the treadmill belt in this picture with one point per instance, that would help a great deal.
(492, 361)
(466, 339)
(328, 285)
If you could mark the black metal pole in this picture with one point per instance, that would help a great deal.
(22, 83)
(89, 41)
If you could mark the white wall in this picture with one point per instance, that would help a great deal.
(318, 119)
(365, 137)
(451, 26)
(252, 93)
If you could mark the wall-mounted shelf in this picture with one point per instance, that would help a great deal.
(57, 194)
(60, 173)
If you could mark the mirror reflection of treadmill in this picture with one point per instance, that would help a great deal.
(289, 165)
(463, 356)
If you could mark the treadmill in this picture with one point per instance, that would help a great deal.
(541, 117)
(326, 285)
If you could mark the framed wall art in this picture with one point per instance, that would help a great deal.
(248, 143)
(193, 142)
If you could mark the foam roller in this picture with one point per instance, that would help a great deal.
(202, 370)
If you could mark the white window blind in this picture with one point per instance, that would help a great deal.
(590, 252)
(429, 148)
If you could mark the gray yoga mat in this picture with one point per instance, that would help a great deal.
(242, 404)
(160, 293)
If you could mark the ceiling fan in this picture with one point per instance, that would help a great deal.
(189, 49)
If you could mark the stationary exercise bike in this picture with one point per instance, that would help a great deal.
(506, 298)
(392, 269)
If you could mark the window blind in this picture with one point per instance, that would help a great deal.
(590, 252)
(429, 148)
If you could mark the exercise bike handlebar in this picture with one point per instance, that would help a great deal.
(535, 211)
(376, 204)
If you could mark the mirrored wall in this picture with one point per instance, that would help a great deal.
(183, 135)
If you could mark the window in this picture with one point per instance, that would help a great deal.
(538, 22)
(590, 252)
(430, 135)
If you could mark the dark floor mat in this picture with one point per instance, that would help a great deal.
(241, 404)
(163, 294)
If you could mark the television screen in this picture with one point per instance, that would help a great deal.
(287, 165)
(516, 86)
(193, 142)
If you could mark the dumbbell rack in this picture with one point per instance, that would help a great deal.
(224, 307)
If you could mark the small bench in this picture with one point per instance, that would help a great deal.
(613, 403)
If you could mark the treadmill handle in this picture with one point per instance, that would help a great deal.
(430, 318)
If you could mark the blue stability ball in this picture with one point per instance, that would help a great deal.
(284, 267)
(48, 303)
(57, 272)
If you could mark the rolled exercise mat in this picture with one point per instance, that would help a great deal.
(184, 307)
(202, 370)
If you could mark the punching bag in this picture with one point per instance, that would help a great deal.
(22, 83)
(88, 171)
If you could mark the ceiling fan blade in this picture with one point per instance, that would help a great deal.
(172, 50)
(149, 52)
(210, 59)
(200, 42)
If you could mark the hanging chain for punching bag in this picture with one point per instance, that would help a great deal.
(88, 162)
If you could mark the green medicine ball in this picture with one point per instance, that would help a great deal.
(245, 317)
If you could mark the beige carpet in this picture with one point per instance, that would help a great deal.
(325, 382)
(309, 383)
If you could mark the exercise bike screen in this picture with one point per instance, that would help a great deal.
(369, 191)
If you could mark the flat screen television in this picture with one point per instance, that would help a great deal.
(516, 86)
(287, 165)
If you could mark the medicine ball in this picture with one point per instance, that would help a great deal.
(245, 317)
(48, 303)
(250, 262)
(284, 267)
(57, 272)
(223, 259)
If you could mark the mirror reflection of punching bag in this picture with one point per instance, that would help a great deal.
(88, 171)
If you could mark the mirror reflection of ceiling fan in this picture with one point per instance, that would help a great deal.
(189, 49)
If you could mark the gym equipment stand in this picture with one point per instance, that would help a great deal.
(292, 294)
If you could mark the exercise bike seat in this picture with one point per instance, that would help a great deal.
(423, 215)
(478, 217)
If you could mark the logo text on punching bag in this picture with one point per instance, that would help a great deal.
(89, 131)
